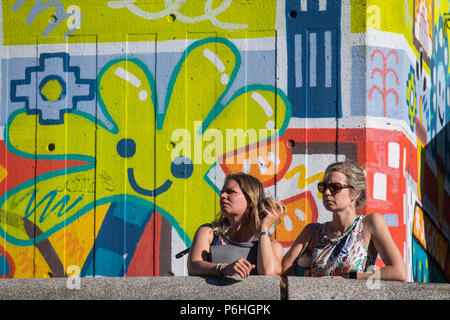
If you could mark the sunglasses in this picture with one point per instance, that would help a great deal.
(335, 187)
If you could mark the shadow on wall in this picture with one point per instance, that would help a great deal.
(430, 247)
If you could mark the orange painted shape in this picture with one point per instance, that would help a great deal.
(301, 210)
(266, 160)
(418, 226)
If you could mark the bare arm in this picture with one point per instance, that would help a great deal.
(270, 252)
(197, 263)
(395, 268)
(289, 259)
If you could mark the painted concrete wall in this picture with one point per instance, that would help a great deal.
(121, 119)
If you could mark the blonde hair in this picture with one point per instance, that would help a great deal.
(253, 191)
(356, 177)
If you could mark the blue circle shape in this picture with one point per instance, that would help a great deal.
(126, 148)
(61, 82)
(182, 167)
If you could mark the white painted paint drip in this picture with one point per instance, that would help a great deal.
(131, 78)
(328, 59)
(404, 162)
(393, 155)
(405, 208)
(127, 76)
(304, 5)
(379, 186)
(287, 223)
(263, 103)
(143, 95)
(211, 56)
(298, 61)
(322, 5)
(300, 214)
(215, 60)
(312, 59)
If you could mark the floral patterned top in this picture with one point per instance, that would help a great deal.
(336, 257)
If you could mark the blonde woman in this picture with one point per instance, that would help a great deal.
(246, 215)
(347, 246)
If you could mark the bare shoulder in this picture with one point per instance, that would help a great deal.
(374, 221)
(374, 217)
(205, 228)
(203, 231)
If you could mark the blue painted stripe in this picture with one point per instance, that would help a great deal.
(4, 266)
(119, 235)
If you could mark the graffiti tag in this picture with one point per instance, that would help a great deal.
(73, 15)
(172, 10)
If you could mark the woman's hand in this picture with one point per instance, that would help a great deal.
(241, 266)
(271, 216)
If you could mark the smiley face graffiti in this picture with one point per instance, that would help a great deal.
(134, 150)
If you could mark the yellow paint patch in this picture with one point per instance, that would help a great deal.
(112, 20)
(52, 90)
(74, 243)
(3, 173)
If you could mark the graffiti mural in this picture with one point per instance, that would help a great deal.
(313, 57)
(429, 249)
(120, 121)
(56, 21)
(383, 72)
(55, 79)
(52, 202)
(423, 27)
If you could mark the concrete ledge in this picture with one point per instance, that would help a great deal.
(209, 288)
(304, 288)
(141, 288)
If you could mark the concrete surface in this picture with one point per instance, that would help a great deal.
(304, 288)
(141, 288)
(206, 288)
